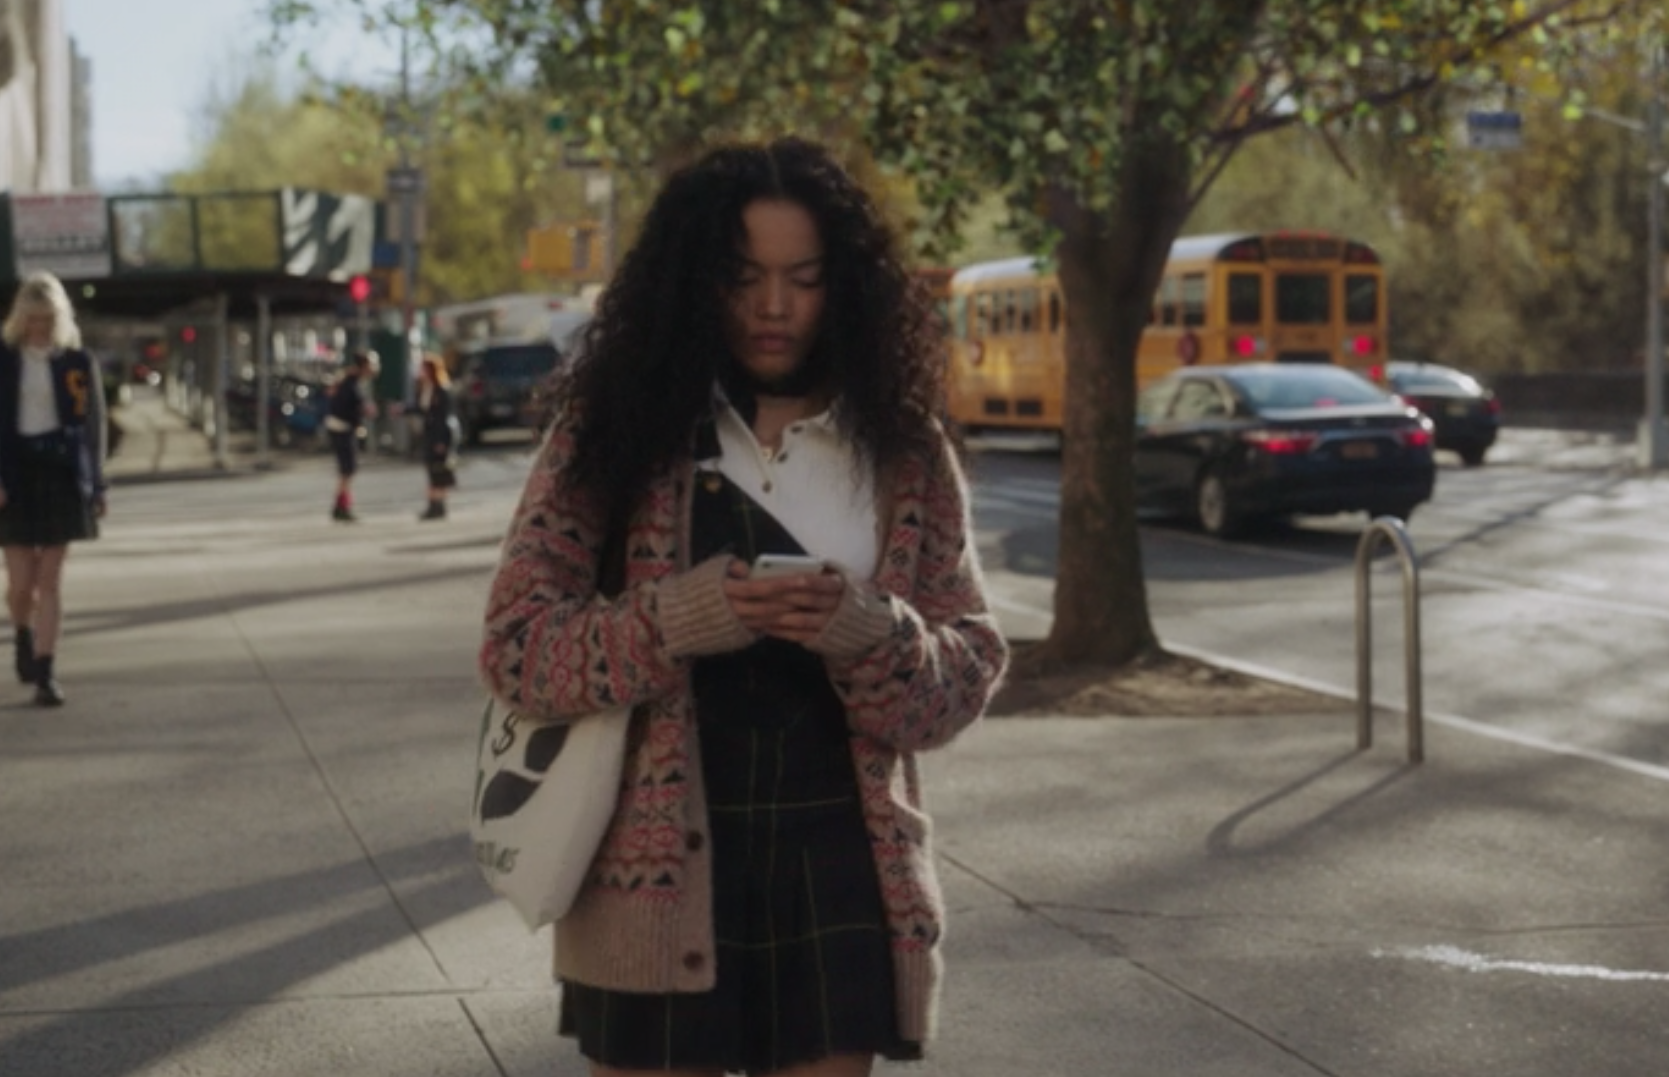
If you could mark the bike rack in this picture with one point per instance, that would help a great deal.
(1388, 529)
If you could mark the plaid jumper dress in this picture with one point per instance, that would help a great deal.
(804, 966)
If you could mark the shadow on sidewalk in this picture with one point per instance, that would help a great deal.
(217, 994)
(111, 620)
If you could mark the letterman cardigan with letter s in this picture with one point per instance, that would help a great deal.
(913, 653)
(78, 391)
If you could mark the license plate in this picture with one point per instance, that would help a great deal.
(1359, 450)
(1457, 410)
(503, 411)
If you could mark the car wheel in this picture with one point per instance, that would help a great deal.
(1472, 455)
(1215, 507)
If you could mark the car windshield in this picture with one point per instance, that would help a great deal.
(1425, 378)
(530, 361)
(1311, 387)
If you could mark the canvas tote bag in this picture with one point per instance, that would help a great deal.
(545, 792)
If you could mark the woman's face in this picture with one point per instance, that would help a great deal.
(38, 328)
(777, 302)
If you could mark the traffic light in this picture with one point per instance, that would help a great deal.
(359, 288)
(188, 334)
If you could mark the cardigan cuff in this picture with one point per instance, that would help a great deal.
(695, 617)
(864, 619)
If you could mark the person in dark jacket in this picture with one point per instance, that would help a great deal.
(440, 432)
(52, 442)
(350, 405)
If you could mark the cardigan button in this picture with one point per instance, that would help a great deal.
(694, 840)
(694, 961)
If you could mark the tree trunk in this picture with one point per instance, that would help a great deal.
(1110, 263)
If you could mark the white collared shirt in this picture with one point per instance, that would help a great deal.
(809, 484)
(37, 404)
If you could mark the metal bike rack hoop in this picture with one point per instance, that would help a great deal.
(1388, 529)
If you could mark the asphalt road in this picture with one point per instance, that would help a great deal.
(1544, 608)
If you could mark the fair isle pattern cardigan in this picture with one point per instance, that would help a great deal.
(914, 655)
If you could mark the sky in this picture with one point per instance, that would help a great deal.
(156, 63)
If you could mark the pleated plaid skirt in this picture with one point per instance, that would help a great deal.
(804, 955)
(804, 960)
(45, 507)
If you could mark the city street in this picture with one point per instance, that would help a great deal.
(1304, 246)
(1544, 609)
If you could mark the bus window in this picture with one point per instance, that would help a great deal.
(982, 315)
(1005, 315)
(959, 316)
(1245, 299)
(1361, 299)
(1054, 312)
(1027, 305)
(1193, 299)
(1169, 290)
(1303, 299)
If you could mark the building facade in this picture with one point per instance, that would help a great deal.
(37, 99)
(81, 119)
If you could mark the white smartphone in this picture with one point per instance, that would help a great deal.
(771, 565)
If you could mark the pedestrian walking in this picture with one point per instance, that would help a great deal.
(761, 378)
(350, 406)
(439, 433)
(52, 427)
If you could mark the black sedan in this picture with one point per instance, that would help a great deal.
(1465, 413)
(1235, 444)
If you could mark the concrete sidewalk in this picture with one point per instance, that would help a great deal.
(240, 851)
(159, 444)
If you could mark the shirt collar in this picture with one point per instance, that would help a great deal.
(823, 420)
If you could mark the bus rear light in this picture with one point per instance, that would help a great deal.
(1247, 346)
(1280, 442)
(1363, 345)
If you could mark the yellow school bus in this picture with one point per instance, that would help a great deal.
(1296, 297)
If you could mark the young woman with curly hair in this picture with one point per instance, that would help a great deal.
(761, 378)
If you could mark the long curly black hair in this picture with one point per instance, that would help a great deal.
(644, 371)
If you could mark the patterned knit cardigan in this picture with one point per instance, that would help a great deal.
(913, 654)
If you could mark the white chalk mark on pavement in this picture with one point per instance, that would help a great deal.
(1455, 957)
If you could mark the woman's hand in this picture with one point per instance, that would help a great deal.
(793, 608)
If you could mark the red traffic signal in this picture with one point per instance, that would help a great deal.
(359, 288)
(188, 334)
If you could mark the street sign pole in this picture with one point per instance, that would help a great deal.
(1651, 446)
(408, 210)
